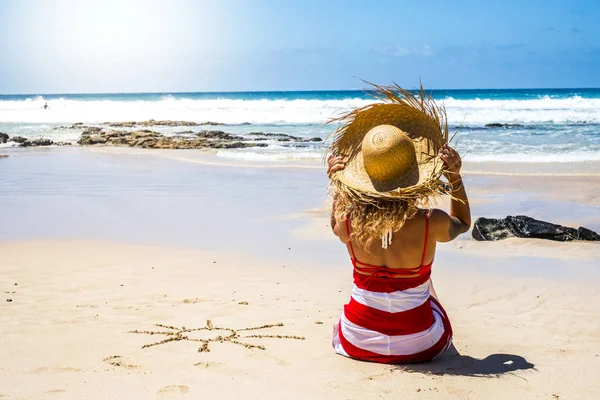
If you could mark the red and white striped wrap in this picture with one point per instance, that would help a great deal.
(392, 320)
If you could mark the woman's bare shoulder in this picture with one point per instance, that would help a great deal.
(340, 229)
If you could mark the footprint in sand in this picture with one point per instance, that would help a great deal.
(208, 364)
(172, 389)
(117, 361)
(196, 300)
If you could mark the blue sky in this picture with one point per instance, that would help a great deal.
(70, 46)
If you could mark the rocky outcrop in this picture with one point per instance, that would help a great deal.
(77, 125)
(145, 138)
(37, 142)
(218, 135)
(498, 125)
(154, 140)
(282, 137)
(211, 123)
(18, 139)
(151, 122)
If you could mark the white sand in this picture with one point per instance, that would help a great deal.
(102, 243)
(76, 302)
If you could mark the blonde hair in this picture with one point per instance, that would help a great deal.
(371, 220)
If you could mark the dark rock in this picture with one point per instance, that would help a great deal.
(522, 226)
(130, 124)
(168, 123)
(93, 136)
(211, 123)
(77, 125)
(144, 133)
(24, 142)
(37, 143)
(218, 135)
(150, 122)
(235, 145)
(587, 234)
(18, 139)
(3, 155)
(3, 137)
(245, 123)
(282, 137)
(498, 125)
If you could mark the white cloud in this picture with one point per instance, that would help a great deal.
(400, 51)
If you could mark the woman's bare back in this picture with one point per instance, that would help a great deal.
(405, 250)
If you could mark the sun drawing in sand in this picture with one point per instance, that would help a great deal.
(174, 333)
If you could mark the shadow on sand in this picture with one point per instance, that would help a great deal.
(453, 363)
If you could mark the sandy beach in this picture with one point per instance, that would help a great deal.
(174, 274)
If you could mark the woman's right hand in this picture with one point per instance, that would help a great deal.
(334, 164)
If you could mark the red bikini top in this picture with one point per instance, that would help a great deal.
(383, 271)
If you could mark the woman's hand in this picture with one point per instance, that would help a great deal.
(452, 160)
(334, 164)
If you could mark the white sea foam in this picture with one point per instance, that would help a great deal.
(233, 111)
(542, 110)
(281, 155)
(229, 111)
(575, 156)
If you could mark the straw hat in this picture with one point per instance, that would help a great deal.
(392, 146)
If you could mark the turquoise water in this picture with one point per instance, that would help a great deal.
(546, 125)
(458, 94)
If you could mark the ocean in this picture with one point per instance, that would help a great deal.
(545, 125)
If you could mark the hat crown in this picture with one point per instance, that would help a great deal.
(388, 154)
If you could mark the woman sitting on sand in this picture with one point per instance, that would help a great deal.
(386, 166)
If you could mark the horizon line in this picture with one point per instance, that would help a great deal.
(295, 91)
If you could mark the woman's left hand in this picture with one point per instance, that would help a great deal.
(334, 164)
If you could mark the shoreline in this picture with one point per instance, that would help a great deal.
(139, 188)
(210, 157)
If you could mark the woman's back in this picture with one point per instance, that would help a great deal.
(411, 246)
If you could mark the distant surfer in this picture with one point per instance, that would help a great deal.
(45, 106)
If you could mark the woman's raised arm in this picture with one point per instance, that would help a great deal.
(448, 227)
